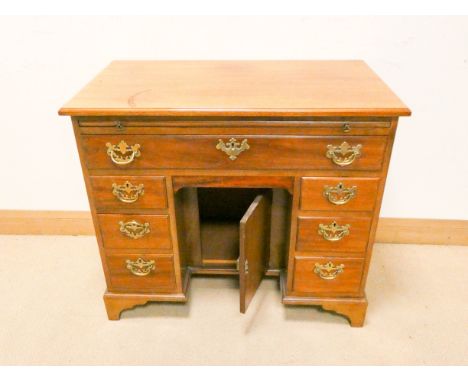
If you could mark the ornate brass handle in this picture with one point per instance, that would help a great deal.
(328, 271)
(339, 194)
(127, 192)
(122, 154)
(333, 231)
(232, 148)
(140, 267)
(344, 154)
(133, 229)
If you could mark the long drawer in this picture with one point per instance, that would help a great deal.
(327, 276)
(135, 231)
(233, 152)
(141, 272)
(333, 234)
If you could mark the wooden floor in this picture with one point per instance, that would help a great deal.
(52, 313)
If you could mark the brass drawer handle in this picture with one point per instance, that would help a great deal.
(328, 271)
(127, 192)
(232, 148)
(122, 153)
(333, 231)
(140, 267)
(133, 229)
(339, 194)
(344, 154)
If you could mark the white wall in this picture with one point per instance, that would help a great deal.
(45, 61)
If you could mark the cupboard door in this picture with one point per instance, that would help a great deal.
(254, 248)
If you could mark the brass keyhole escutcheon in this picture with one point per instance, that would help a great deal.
(333, 231)
(127, 192)
(344, 154)
(339, 194)
(328, 271)
(233, 148)
(134, 229)
(122, 153)
(140, 267)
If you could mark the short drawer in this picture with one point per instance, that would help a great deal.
(327, 276)
(141, 272)
(338, 194)
(233, 152)
(135, 231)
(128, 192)
(333, 234)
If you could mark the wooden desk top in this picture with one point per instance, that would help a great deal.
(236, 88)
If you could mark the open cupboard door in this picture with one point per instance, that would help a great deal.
(254, 248)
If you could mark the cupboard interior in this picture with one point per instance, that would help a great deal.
(208, 227)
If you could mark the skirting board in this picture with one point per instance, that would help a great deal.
(390, 230)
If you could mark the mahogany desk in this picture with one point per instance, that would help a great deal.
(237, 168)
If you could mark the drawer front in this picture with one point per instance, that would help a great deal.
(128, 192)
(338, 194)
(233, 152)
(349, 234)
(141, 272)
(327, 276)
(135, 231)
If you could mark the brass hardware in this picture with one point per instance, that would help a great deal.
(328, 271)
(333, 231)
(140, 267)
(133, 229)
(344, 154)
(339, 194)
(119, 125)
(246, 265)
(346, 127)
(232, 148)
(122, 154)
(127, 192)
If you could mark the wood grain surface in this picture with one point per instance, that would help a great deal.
(274, 88)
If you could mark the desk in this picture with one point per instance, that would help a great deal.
(248, 169)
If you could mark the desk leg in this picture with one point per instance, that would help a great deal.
(116, 303)
(353, 308)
